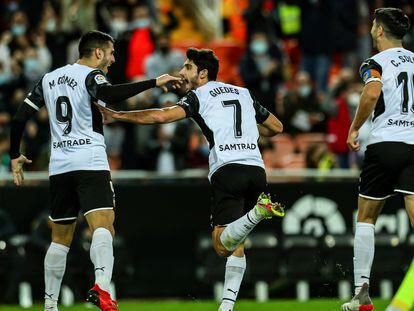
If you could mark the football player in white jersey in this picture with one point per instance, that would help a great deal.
(231, 120)
(388, 166)
(79, 171)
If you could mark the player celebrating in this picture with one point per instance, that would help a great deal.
(389, 159)
(78, 169)
(228, 116)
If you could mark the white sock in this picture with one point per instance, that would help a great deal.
(50, 305)
(237, 231)
(102, 256)
(235, 268)
(55, 265)
(364, 248)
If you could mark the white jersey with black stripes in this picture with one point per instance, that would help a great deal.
(393, 117)
(77, 141)
(228, 116)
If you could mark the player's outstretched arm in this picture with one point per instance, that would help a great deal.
(18, 124)
(148, 116)
(271, 126)
(367, 102)
(100, 89)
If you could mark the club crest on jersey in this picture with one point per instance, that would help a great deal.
(99, 79)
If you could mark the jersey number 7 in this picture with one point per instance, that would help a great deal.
(237, 116)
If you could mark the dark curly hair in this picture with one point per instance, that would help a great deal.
(205, 59)
(396, 24)
(92, 40)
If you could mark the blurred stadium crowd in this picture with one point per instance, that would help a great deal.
(299, 57)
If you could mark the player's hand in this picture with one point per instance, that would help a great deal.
(109, 115)
(165, 79)
(17, 169)
(352, 141)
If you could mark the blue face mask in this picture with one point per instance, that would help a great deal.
(31, 64)
(18, 30)
(141, 23)
(4, 78)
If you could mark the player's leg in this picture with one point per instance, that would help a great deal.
(364, 240)
(404, 298)
(364, 248)
(235, 267)
(409, 206)
(101, 251)
(55, 262)
(263, 208)
(377, 181)
(97, 200)
(64, 211)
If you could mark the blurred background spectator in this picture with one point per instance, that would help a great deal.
(299, 59)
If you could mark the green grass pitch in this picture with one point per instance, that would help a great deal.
(282, 305)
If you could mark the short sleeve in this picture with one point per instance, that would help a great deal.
(370, 71)
(94, 80)
(261, 112)
(35, 98)
(190, 104)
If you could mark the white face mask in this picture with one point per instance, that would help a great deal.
(51, 26)
(119, 25)
(259, 47)
(304, 90)
(353, 99)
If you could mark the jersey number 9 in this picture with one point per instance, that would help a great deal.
(64, 113)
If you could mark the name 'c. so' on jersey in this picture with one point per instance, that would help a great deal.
(228, 116)
(393, 116)
(77, 141)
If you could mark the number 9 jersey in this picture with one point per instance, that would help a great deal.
(77, 141)
(393, 117)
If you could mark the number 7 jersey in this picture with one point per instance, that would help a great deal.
(393, 116)
(77, 141)
(228, 116)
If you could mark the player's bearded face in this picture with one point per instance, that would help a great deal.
(108, 58)
(190, 75)
(374, 36)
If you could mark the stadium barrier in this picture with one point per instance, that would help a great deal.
(162, 226)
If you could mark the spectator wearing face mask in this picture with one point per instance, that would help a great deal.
(301, 111)
(56, 39)
(163, 60)
(141, 44)
(118, 23)
(37, 61)
(261, 69)
(18, 24)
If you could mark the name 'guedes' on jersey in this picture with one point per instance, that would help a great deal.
(77, 141)
(393, 117)
(228, 117)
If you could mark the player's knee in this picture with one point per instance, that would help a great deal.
(221, 250)
(63, 239)
(108, 227)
